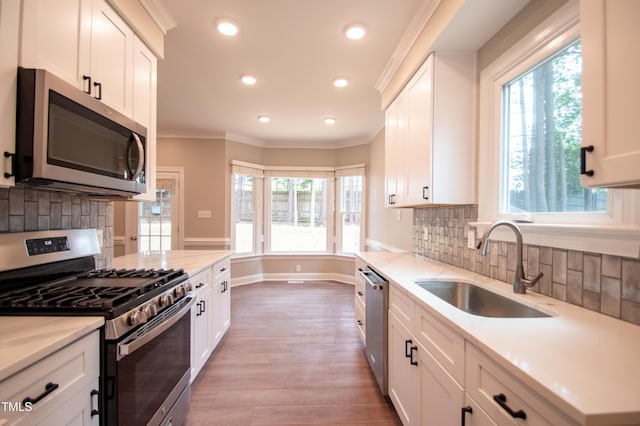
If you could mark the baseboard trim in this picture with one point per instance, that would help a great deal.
(252, 279)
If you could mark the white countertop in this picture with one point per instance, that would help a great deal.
(25, 340)
(192, 261)
(585, 363)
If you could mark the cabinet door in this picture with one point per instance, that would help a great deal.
(145, 65)
(111, 58)
(404, 377)
(79, 410)
(442, 397)
(419, 123)
(56, 35)
(222, 302)
(9, 40)
(611, 91)
(390, 137)
(395, 151)
(474, 415)
(201, 323)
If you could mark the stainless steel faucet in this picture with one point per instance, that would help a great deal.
(520, 282)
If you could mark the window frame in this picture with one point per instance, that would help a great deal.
(262, 205)
(340, 213)
(268, 214)
(615, 231)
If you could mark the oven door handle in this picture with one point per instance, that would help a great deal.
(125, 349)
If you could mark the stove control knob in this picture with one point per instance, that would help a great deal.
(187, 287)
(166, 300)
(135, 318)
(179, 292)
(150, 311)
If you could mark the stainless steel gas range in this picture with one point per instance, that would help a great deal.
(145, 345)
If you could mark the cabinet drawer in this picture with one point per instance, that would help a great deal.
(446, 346)
(360, 289)
(402, 305)
(71, 369)
(485, 379)
(361, 319)
(221, 269)
(201, 280)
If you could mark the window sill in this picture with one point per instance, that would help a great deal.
(613, 240)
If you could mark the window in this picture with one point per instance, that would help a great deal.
(282, 210)
(542, 135)
(243, 213)
(529, 137)
(155, 218)
(298, 221)
(350, 193)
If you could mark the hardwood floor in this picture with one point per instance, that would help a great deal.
(292, 356)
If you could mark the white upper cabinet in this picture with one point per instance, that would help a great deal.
(55, 34)
(83, 42)
(9, 36)
(111, 58)
(395, 147)
(86, 43)
(609, 32)
(145, 75)
(429, 147)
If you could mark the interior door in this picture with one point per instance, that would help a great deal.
(156, 225)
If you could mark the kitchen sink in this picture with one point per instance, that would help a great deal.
(478, 301)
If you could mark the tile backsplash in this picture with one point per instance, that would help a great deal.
(595, 281)
(37, 210)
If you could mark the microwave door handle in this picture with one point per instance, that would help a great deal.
(140, 147)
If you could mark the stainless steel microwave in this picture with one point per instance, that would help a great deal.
(68, 140)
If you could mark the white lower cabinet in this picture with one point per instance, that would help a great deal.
(404, 376)
(359, 302)
(442, 396)
(436, 377)
(211, 314)
(78, 410)
(221, 300)
(472, 415)
(506, 399)
(201, 322)
(60, 389)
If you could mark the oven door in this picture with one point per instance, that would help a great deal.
(148, 371)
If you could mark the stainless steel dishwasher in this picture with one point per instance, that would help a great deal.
(377, 303)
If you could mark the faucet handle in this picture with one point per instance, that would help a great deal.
(534, 281)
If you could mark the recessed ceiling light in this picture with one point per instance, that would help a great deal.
(329, 120)
(248, 79)
(226, 27)
(263, 119)
(340, 82)
(355, 31)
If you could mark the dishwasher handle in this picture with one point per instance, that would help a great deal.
(375, 285)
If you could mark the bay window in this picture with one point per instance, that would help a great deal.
(289, 210)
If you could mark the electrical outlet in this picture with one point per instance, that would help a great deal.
(471, 239)
(100, 238)
(425, 233)
(298, 268)
(204, 214)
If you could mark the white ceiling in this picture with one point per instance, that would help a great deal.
(295, 48)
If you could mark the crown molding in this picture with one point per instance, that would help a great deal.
(406, 42)
(235, 137)
(160, 14)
